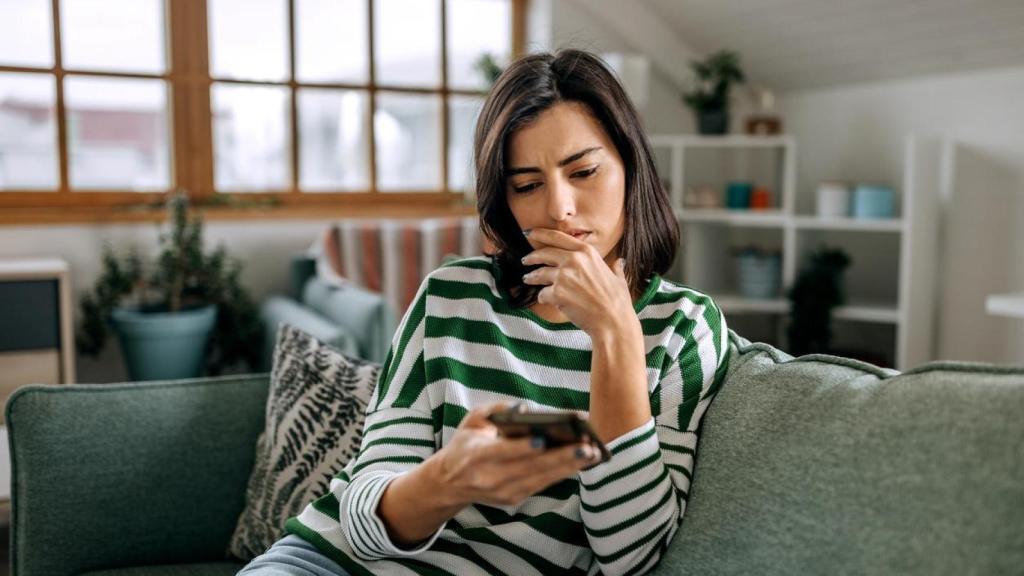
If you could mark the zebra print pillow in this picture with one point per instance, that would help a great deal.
(314, 425)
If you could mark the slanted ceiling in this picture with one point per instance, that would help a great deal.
(800, 44)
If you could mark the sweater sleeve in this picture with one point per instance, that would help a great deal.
(398, 435)
(633, 504)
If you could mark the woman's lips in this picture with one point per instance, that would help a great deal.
(580, 235)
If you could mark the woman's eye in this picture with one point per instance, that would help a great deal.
(526, 188)
(585, 173)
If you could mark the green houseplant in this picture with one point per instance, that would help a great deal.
(488, 67)
(709, 94)
(165, 313)
(818, 289)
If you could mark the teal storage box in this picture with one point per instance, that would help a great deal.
(872, 201)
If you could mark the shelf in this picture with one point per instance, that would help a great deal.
(726, 141)
(736, 304)
(852, 224)
(881, 314)
(1011, 305)
(861, 312)
(765, 218)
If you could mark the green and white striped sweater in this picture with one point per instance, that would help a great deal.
(462, 345)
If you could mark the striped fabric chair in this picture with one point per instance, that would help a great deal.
(392, 256)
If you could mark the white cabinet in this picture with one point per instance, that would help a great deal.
(36, 339)
(889, 285)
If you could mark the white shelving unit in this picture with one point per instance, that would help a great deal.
(900, 251)
(1011, 305)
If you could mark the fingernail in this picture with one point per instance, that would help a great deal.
(526, 232)
(537, 442)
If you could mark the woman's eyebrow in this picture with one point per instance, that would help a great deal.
(574, 157)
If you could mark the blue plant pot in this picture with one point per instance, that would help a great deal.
(713, 122)
(164, 345)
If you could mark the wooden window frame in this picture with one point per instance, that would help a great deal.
(190, 119)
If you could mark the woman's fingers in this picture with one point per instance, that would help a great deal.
(506, 449)
(554, 463)
(541, 237)
(544, 275)
(548, 256)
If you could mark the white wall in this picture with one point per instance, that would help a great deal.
(856, 132)
(573, 27)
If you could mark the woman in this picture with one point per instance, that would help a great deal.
(569, 314)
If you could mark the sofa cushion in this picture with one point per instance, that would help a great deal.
(204, 569)
(314, 425)
(827, 465)
(134, 474)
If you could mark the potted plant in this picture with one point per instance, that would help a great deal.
(164, 314)
(818, 289)
(488, 67)
(709, 96)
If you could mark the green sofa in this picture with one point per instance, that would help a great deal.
(812, 465)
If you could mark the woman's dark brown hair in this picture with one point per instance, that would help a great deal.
(527, 88)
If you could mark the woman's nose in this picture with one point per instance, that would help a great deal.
(561, 200)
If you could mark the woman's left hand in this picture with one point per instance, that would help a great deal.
(578, 282)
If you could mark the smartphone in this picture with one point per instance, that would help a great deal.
(557, 428)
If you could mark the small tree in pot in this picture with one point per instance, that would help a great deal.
(709, 96)
(164, 316)
(818, 290)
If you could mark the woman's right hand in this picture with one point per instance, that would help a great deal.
(480, 466)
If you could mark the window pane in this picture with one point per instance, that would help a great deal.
(251, 138)
(117, 133)
(407, 128)
(462, 114)
(407, 42)
(475, 28)
(337, 28)
(334, 139)
(121, 35)
(249, 39)
(26, 35)
(28, 132)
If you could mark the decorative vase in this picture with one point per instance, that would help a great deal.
(833, 200)
(761, 198)
(737, 195)
(703, 196)
(873, 201)
(713, 122)
(164, 345)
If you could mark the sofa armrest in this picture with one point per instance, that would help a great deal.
(117, 475)
(364, 314)
(278, 310)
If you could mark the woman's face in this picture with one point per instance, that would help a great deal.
(565, 173)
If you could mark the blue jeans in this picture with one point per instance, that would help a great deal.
(292, 556)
